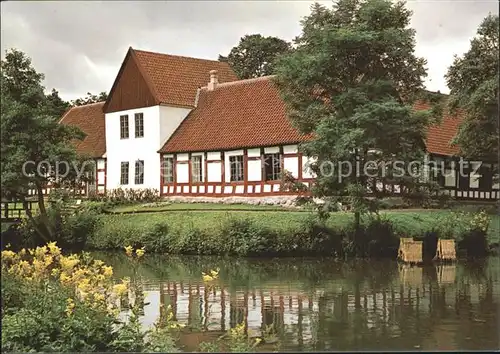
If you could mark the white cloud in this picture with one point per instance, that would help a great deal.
(79, 46)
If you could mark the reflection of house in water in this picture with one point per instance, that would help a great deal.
(421, 291)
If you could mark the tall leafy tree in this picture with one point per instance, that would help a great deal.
(34, 147)
(90, 98)
(351, 82)
(473, 83)
(255, 55)
(55, 105)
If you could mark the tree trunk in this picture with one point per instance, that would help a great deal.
(43, 211)
(40, 231)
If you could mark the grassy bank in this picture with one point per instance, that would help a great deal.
(260, 232)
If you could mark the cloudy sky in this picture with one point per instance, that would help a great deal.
(79, 46)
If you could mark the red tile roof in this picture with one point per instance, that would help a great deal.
(90, 119)
(175, 79)
(439, 136)
(239, 114)
(250, 113)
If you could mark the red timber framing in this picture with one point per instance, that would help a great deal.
(225, 188)
(247, 188)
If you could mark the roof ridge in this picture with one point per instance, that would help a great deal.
(240, 82)
(177, 56)
(89, 104)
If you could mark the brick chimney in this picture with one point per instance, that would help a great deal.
(214, 80)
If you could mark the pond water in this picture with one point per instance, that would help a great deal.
(323, 304)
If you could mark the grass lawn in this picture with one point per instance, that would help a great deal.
(198, 207)
(406, 222)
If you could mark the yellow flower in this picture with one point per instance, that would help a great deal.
(7, 255)
(129, 250)
(40, 252)
(64, 278)
(48, 260)
(70, 306)
(140, 252)
(258, 340)
(99, 297)
(55, 272)
(107, 271)
(68, 263)
(84, 285)
(53, 249)
(120, 289)
(214, 273)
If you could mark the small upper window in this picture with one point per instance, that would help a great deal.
(139, 125)
(124, 127)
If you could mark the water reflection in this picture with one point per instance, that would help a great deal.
(326, 305)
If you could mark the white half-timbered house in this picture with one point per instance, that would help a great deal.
(189, 127)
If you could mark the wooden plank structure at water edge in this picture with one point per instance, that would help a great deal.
(410, 251)
(446, 250)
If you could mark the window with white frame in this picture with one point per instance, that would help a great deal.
(124, 173)
(272, 167)
(139, 172)
(236, 168)
(168, 170)
(196, 170)
(124, 127)
(139, 125)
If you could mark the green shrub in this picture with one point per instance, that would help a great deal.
(244, 237)
(36, 320)
(127, 195)
(474, 243)
(381, 240)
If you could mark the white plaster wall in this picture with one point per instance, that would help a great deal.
(101, 176)
(159, 123)
(271, 150)
(170, 118)
(213, 155)
(253, 152)
(214, 172)
(291, 164)
(101, 164)
(182, 172)
(290, 149)
(254, 170)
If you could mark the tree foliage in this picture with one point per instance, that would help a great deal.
(90, 98)
(56, 106)
(255, 55)
(473, 83)
(32, 141)
(351, 83)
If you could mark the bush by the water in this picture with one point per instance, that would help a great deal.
(242, 236)
(70, 229)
